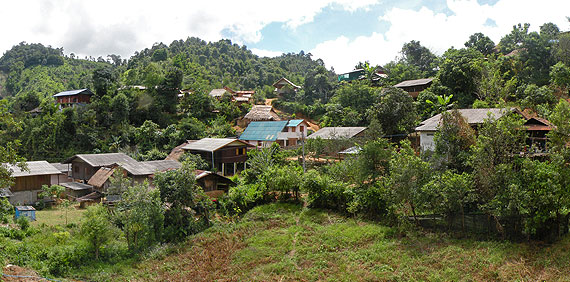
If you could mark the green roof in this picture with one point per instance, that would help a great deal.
(263, 130)
(294, 122)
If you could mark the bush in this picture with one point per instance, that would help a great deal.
(325, 193)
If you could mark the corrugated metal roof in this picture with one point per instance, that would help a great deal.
(98, 160)
(74, 92)
(161, 165)
(33, 168)
(218, 92)
(294, 122)
(76, 186)
(213, 144)
(263, 130)
(472, 116)
(415, 82)
(64, 168)
(336, 132)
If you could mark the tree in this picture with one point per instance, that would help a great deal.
(453, 139)
(96, 227)
(415, 54)
(187, 202)
(120, 109)
(395, 110)
(104, 79)
(441, 104)
(140, 215)
(54, 192)
(408, 174)
(561, 49)
(458, 74)
(481, 43)
(560, 76)
(559, 136)
(6, 210)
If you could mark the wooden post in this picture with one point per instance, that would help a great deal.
(235, 168)
(223, 169)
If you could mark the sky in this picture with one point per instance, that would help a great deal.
(340, 32)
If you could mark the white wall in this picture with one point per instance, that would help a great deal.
(426, 140)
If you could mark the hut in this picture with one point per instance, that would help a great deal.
(284, 86)
(28, 182)
(76, 190)
(73, 98)
(213, 184)
(259, 113)
(414, 87)
(226, 155)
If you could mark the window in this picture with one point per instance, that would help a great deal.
(237, 152)
(293, 129)
(302, 128)
(244, 151)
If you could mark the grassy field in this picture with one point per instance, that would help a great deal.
(56, 216)
(281, 242)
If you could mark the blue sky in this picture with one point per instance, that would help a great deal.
(341, 32)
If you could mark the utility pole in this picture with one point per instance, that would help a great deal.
(303, 138)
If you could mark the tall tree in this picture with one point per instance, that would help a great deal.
(481, 43)
(415, 54)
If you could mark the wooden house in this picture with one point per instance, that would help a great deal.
(73, 98)
(138, 172)
(414, 87)
(65, 172)
(74, 190)
(285, 133)
(537, 128)
(28, 183)
(474, 117)
(213, 184)
(226, 156)
(284, 86)
(84, 166)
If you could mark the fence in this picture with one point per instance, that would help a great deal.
(485, 225)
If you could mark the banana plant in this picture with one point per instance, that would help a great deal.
(442, 104)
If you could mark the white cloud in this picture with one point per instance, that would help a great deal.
(439, 31)
(101, 27)
(266, 53)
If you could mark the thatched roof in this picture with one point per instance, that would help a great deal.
(177, 152)
(100, 177)
(472, 116)
(33, 168)
(261, 113)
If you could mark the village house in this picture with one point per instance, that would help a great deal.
(239, 97)
(65, 172)
(360, 74)
(214, 185)
(414, 87)
(227, 156)
(84, 166)
(285, 133)
(137, 172)
(332, 133)
(284, 86)
(537, 128)
(73, 98)
(218, 93)
(259, 113)
(28, 182)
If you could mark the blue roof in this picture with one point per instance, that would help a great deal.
(263, 130)
(74, 92)
(294, 122)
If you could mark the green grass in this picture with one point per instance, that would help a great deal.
(280, 242)
(56, 216)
